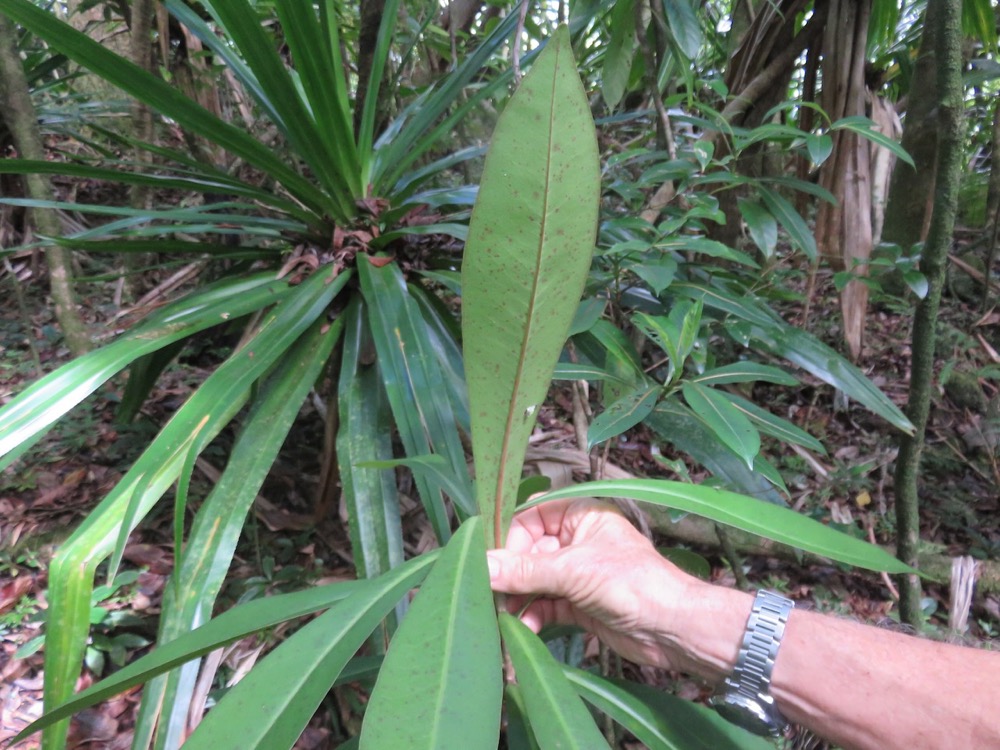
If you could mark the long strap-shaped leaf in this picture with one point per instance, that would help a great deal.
(259, 50)
(219, 523)
(271, 706)
(413, 379)
(156, 93)
(218, 399)
(441, 684)
(530, 242)
(756, 516)
(659, 720)
(50, 398)
(557, 716)
(230, 626)
(365, 434)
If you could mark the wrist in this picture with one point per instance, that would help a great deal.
(705, 630)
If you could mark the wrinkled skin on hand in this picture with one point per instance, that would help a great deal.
(590, 567)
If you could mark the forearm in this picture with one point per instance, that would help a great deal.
(857, 686)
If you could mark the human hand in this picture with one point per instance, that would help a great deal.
(590, 567)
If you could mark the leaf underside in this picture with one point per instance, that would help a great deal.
(530, 241)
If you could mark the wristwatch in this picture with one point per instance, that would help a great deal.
(746, 699)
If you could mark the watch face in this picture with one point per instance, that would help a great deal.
(745, 713)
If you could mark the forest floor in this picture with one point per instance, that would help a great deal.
(44, 495)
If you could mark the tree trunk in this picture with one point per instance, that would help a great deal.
(20, 116)
(141, 51)
(844, 229)
(911, 191)
(946, 30)
(371, 19)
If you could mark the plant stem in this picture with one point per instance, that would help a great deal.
(947, 38)
(23, 122)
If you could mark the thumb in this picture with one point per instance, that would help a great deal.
(514, 573)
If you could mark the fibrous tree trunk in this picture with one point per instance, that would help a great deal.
(20, 117)
(946, 31)
(844, 228)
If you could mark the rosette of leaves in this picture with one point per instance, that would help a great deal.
(314, 232)
(442, 683)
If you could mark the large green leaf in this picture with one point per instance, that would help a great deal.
(799, 347)
(745, 372)
(230, 626)
(441, 685)
(795, 225)
(217, 526)
(270, 707)
(530, 241)
(316, 54)
(48, 399)
(558, 718)
(518, 732)
(755, 516)
(659, 720)
(618, 53)
(260, 52)
(426, 121)
(208, 182)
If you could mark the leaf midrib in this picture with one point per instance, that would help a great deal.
(498, 531)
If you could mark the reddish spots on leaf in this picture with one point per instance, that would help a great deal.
(379, 262)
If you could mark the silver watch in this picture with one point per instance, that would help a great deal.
(746, 698)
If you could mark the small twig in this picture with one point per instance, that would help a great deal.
(990, 351)
(164, 288)
(808, 457)
(607, 723)
(885, 576)
(515, 50)
(965, 459)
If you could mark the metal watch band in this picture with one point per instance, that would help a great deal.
(752, 675)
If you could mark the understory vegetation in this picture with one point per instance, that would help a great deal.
(304, 300)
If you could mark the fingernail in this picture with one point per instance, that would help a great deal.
(494, 566)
